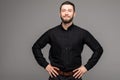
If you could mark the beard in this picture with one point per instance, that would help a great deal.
(67, 21)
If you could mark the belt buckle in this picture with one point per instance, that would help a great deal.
(67, 73)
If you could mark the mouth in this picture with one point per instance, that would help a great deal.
(66, 16)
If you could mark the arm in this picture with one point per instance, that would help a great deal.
(38, 45)
(97, 52)
(95, 47)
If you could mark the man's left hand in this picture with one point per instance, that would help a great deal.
(79, 72)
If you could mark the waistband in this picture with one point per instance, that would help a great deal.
(62, 73)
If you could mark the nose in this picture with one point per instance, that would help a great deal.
(66, 12)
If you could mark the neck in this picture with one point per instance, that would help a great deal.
(66, 26)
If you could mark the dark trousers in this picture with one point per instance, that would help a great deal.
(59, 77)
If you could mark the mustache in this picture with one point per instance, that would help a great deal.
(66, 16)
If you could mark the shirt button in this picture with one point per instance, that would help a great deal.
(66, 48)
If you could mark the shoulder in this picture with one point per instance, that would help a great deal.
(52, 30)
(82, 30)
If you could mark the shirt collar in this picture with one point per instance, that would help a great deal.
(69, 28)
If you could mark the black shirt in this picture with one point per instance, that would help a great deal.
(66, 47)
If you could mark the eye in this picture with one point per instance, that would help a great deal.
(70, 10)
(63, 10)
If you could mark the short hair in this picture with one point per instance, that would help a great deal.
(67, 3)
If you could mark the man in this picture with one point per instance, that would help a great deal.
(66, 41)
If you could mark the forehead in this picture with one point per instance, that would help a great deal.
(67, 6)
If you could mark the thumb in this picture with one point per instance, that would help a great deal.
(75, 70)
(56, 68)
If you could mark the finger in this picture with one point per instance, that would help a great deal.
(77, 72)
(82, 73)
(50, 74)
(78, 75)
(55, 72)
(56, 68)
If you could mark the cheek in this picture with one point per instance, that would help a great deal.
(61, 14)
(71, 14)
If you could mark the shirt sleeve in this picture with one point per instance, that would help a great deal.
(36, 48)
(95, 47)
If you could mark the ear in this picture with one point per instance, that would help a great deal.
(59, 14)
(74, 14)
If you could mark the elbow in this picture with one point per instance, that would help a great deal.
(33, 47)
(101, 50)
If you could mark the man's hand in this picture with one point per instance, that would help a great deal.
(51, 70)
(78, 73)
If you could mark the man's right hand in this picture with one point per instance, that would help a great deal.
(51, 70)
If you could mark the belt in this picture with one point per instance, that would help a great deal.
(70, 73)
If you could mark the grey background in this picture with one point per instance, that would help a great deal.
(22, 22)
